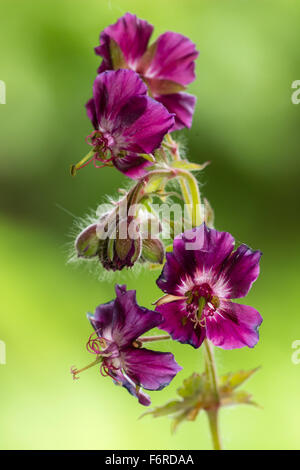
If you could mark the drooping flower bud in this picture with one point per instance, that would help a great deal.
(153, 250)
(123, 246)
(87, 243)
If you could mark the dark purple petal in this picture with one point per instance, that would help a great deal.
(91, 112)
(182, 105)
(132, 110)
(130, 320)
(174, 59)
(179, 325)
(111, 92)
(209, 247)
(152, 370)
(122, 320)
(233, 326)
(171, 275)
(102, 319)
(104, 51)
(132, 165)
(241, 269)
(132, 36)
(146, 133)
(133, 389)
(196, 251)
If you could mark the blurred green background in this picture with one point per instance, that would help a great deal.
(245, 124)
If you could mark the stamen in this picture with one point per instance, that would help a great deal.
(75, 372)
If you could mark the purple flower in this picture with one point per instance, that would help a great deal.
(167, 66)
(118, 326)
(200, 277)
(127, 122)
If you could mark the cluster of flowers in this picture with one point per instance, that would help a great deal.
(139, 99)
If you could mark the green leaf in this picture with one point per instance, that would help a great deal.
(187, 408)
(235, 379)
(241, 397)
(164, 410)
(195, 395)
(191, 386)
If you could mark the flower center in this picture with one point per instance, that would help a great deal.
(201, 304)
(102, 143)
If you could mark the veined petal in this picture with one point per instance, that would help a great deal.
(197, 257)
(152, 370)
(112, 90)
(179, 325)
(174, 59)
(132, 36)
(234, 326)
(241, 269)
(209, 246)
(102, 319)
(147, 132)
(171, 275)
(182, 105)
(131, 320)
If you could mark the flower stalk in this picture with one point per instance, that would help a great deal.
(212, 381)
(148, 339)
(214, 428)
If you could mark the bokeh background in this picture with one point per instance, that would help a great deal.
(245, 124)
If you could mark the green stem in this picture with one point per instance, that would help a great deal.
(191, 195)
(211, 370)
(214, 428)
(188, 185)
(212, 413)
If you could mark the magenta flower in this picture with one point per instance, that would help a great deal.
(118, 326)
(200, 277)
(167, 66)
(127, 122)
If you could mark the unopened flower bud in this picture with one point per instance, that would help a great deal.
(123, 250)
(87, 243)
(153, 250)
